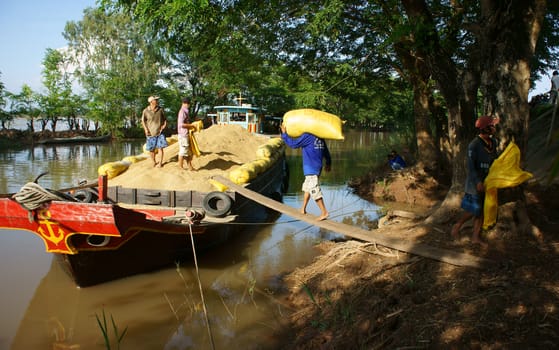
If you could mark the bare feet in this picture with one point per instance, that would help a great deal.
(455, 231)
(322, 217)
(160, 165)
(155, 164)
(480, 242)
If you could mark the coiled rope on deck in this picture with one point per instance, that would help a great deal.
(32, 196)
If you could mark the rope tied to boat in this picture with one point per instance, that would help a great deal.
(32, 196)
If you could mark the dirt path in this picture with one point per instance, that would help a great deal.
(359, 295)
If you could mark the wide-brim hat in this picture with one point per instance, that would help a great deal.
(151, 98)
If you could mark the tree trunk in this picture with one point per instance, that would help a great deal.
(428, 153)
(460, 107)
(418, 75)
(506, 37)
(508, 42)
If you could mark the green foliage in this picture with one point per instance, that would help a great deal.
(344, 57)
(117, 75)
(5, 117)
(58, 101)
(547, 54)
(218, 50)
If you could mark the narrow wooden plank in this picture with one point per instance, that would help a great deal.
(421, 249)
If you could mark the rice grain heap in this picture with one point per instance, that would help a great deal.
(223, 149)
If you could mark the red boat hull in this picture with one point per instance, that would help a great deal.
(100, 242)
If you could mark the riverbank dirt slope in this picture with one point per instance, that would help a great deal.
(357, 295)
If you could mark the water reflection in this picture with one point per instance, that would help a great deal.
(164, 309)
(66, 164)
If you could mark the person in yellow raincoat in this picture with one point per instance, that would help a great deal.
(504, 172)
(482, 151)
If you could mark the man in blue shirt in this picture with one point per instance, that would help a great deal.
(314, 150)
(482, 151)
(396, 161)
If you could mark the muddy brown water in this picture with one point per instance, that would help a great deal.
(164, 310)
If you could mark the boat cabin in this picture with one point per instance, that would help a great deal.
(245, 115)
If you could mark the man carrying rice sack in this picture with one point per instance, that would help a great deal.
(314, 150)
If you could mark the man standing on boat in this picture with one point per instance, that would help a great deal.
(183, 125)
(154, 121)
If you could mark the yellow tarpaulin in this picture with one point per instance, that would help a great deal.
(193, 144)
(504, 172)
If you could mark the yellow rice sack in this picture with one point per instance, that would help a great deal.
(252, 167)
(241, 175)
(276, 142)
(135, 159)
(312, 121)
(262, 164)
(218, 185)
(113, 169)
(265, 151)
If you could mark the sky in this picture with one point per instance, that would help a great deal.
(28, 28)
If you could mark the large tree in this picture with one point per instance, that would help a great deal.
(58, 101)
(501, 42)
(116, 64)
(25, 105)
(5, 116)
(473, 56)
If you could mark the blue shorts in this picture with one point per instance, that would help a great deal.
(154, 142)
(473, 203)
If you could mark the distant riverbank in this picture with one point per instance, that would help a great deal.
(15, 137)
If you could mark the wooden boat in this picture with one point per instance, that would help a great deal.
(75, 139)
(101, 232)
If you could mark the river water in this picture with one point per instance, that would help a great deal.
(228, 302)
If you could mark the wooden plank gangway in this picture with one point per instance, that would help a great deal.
(416, 248)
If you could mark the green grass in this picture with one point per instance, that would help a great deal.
(102, 323)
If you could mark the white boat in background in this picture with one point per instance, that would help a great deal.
(246, 115)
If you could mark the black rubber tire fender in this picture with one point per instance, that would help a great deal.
(217, 204)
(83, 196)
(63, 195)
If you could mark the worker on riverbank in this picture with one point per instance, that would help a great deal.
(396, 161)
(314, 151)
(482, 151)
